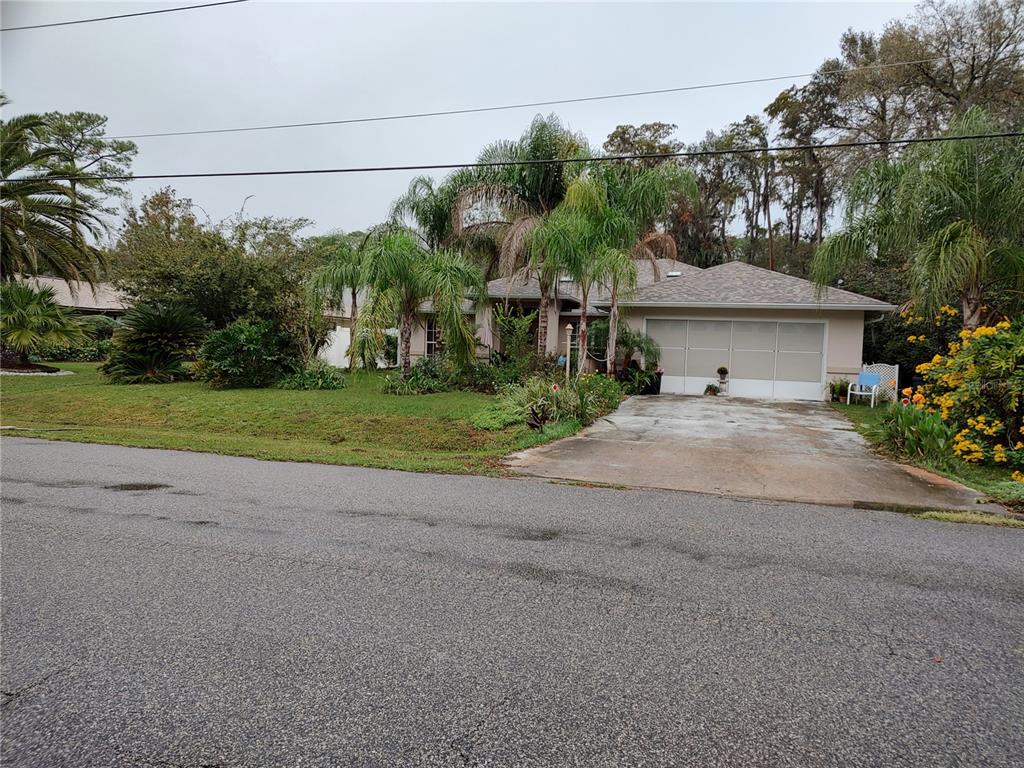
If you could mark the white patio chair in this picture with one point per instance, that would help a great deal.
(866, 385)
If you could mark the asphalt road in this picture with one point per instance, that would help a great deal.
(172, 609)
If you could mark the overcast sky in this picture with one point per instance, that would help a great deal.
(272, 62)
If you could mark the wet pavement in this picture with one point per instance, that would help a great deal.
(806, 452)
(173, 609)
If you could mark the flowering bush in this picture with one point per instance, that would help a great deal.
(978, 389)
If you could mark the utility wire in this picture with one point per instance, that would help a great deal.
(560, 161)
(121, 16)
(523, 105)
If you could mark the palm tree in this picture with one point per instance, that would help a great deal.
(31, 318)
(401, 275)
(513, 200)
(43, 222)
(344, 270)
(954, 209)
(621, 205)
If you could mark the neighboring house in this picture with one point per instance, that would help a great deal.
(101, 299)
(778, 336)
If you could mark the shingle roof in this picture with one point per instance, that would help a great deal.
(518, 288)
(737, 283)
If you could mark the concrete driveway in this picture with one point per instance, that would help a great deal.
(786, 451)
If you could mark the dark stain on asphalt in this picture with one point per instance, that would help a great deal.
(136, 486)
(533, 534)
(11, 500)
(185, 493)
(202, 522)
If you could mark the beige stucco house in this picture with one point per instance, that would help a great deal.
(779, 338)
(777, 334)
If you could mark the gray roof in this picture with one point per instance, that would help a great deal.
(737, 283)
(529, 288)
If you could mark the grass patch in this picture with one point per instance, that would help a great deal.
(358, 425)
(977, 518)
(993, 482)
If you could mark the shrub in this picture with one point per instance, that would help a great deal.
(93, 352)
(316, 375)
(977, 388)
(585, 399)
(152, 344)
(99, 327)
(247, 354)
(31, 318)
(428, 375)
(911, 431)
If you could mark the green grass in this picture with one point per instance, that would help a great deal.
(358, 425)
(977, 518)
(993, 482)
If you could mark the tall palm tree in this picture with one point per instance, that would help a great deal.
(401, 275)
(43, 222)
(954, 209)
(344, 270)
(513, 200)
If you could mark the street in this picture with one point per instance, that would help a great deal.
(183, 609)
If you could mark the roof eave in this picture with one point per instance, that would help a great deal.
(742, 305)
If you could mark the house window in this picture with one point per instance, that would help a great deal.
(433, 337)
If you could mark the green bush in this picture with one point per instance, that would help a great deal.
(586, 399)
(152, 344)
(246, 354)
(316, 375)
(99, 327)
(914, 432)
(85, 353)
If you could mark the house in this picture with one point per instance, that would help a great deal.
(779, 336)
(524, 292)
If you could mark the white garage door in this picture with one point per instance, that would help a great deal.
(780, 360)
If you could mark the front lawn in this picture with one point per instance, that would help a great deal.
(992, 481)
(357, 425)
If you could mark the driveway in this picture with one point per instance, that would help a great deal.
(786, 451)
(174, 609)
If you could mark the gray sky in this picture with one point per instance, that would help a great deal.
(272, 62)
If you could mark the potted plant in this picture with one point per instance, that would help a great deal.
(652, 386)
(838, 389)
(723, 373)
(712, 389)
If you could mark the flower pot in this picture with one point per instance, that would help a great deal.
(653, 386)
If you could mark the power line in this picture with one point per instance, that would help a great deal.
(522, 105)
(121, 16)
(560, 161)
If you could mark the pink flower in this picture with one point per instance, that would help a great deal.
(554, 387)
(905, 400)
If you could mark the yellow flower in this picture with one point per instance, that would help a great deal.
(908, 391)
(1018, 476)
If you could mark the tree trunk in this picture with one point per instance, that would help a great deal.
(972, 307)
(613, 329)
(353, 314)
(405, 343)
(582, 336)
(542, 320)
(771, 235)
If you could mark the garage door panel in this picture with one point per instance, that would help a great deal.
(798, 366)
(753, 364)
(673, 361)
(705, 362)
(801, 337)
(709, 334)
(667, 333)
(754, 335)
